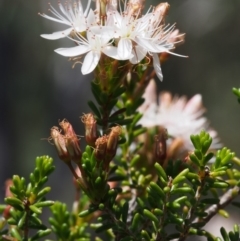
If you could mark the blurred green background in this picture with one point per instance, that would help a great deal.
(39, 87)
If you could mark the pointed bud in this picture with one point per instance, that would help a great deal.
(135, 7)
(163, 9)
(101, 145)
(8, 184)
(72, 141)
(112, 142)
(90, 128)
(160, 146)
(59, 142)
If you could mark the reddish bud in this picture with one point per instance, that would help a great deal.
(71, 141)
(135, 7)
(8, 184)
(59, 142)
(90, 128)
(163, 9)
(101, 145)
(113, 142)
(6, 213)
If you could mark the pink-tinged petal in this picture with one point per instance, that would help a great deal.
(57, 35)
(64, 21)
(74, 51)
(138, 54)
(90, 62)
(125, 48)
(150, 96)
(194, 106)
(157, 67)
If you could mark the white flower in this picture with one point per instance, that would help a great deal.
(181, 117)
(131, 35)
(139, 36)
(97, 42)
(127, 27)
(71, 15)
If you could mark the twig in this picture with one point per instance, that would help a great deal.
(225, 199)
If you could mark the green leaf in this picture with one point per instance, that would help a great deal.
(150, 215)
(43, 192)
(15, 233)
(145, 235)
(136, 222)
(105, 227)
(94, 109)
(125, 212)
(87, 212)
(35, 209)
(156, 190)
(224, 234)
(217, 184)
(44, 204)
(40, 234)
(160, 171)
(223, 213)
(22, 220)
(182, 190)
(15, 202)
(181, 176)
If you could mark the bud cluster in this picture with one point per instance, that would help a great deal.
(67, 144)
(68, 147)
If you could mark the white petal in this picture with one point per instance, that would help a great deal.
(105, 33)
(157, 67)
(138, 54)
(90, 62)
(149, 46)
(64, 21)
(112, 52)
(72, 52)
(57, 35)
(90, 18)
(125, 48)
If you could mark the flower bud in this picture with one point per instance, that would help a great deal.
(8, 184)
(59, 142)
(101, 145)
(90, 129)
(163, 9)
(160, 146)
(112, 142)
(72, 141)
(135, 7)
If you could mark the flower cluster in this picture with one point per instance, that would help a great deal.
(119, 31)
(181, 118)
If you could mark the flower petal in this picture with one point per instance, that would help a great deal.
(57, 35)
(112, 52)
(90, 62)
(138, 54)
(63, 21)
(157, 67)
(74, 51)
(125, 48)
